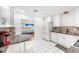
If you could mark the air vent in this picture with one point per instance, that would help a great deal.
(66, 12)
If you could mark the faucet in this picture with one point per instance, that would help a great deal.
(67, 30)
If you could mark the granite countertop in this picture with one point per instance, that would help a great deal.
(68, 33)
(69, 30)
(22, 38)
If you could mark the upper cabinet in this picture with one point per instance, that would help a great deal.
(77, 17)
(67, 19)
(71, 18)
(56, 20)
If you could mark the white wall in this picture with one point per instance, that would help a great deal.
(17, 22)
(38, 23)
(5, 12)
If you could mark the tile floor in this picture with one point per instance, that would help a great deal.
(34, 46)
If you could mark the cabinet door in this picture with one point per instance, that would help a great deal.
(67, 19)
(54, 37)
(70, 40)
(61, 39)
(56, 20)
(77, 17)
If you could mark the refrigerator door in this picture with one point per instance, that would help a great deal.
(47, 31)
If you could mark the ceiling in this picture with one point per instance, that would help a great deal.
(43, 11)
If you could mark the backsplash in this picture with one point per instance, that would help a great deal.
(66, 29)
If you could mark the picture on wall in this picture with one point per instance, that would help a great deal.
(27, 26)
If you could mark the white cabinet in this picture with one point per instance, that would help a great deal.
(77, 17)
(71, 18)
(68, 19)
(54, 37)
(64, 39)
(61, 39)
(70, 40)
(56, 20)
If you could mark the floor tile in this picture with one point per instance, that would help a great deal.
(35, 46)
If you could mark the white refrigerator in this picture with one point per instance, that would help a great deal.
(47, 27)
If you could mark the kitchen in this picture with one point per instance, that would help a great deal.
(50, 26)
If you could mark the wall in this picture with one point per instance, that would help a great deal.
(17, 22)
(38, 23)
(5, 12)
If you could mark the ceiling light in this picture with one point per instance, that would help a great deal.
(35, 10)
(22, 11)
(66, 12)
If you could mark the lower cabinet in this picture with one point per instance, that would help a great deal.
(61, 39)
(64, 39)
(70, 40)
(54, 37)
